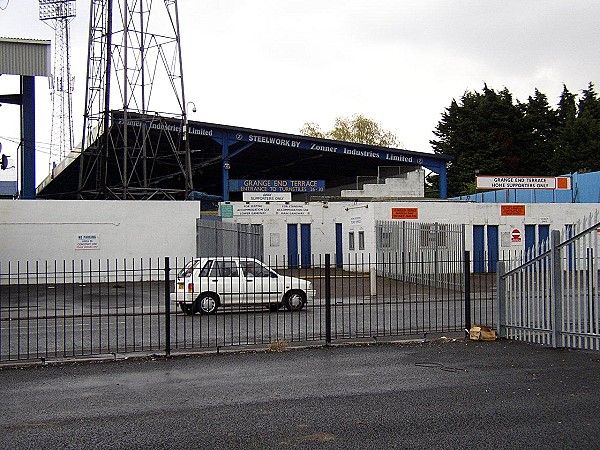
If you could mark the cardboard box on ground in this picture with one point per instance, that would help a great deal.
(482, 333)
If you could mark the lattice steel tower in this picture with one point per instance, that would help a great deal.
(134, 95)
(58, 14)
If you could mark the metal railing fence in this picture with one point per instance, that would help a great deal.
(549, 294)
(119, 307)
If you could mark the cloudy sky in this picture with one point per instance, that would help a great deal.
(276, 64)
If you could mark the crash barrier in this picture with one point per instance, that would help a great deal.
(549, 294)
(119, 307)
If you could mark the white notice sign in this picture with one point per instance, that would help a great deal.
(87, 242)
(267, 196)
(508, 182)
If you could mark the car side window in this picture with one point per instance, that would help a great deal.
(206, 269)
(225, 269)
(189, 269)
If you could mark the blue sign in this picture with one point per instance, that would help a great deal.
(276, 185)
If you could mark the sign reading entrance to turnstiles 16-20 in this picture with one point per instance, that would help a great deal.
(507, 182)
(276, 185)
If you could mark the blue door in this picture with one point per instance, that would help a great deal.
(339, 258)
(529, 237)
(292, 239)
(305, 247)
(543, 232)
(478, 249)
(492, 246)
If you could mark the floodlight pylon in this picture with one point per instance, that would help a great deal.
(58, 14)
(134, 86)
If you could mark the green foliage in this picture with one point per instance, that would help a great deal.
(489, 134)
(358, 129)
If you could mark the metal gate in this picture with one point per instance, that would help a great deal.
(428, 253)
(218, 238)
(549, 294)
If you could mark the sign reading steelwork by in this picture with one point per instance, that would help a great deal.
(267, 196)
(503, 182)
(276, 185)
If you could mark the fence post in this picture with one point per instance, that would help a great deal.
(327, 299)
(167, 308)
(501, 298)
(373, 279)
(556, 283)
(467, 268)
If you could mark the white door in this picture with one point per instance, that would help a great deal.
(224, 279)
(261, 283)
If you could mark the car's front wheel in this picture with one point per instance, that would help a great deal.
(207, 304)
(294, 300)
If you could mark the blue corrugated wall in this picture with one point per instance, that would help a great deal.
(585, 189)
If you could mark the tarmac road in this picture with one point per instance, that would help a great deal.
(440, 394)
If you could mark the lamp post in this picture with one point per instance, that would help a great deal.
(189, 185)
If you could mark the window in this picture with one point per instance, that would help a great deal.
(224, 269)
(206, 269)
(361, 240)
(385, 238)
(351, 240)
(254, 269)
(433, 235)
(274, 239)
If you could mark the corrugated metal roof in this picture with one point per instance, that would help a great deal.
(29, 57)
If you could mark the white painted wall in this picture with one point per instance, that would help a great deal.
(40, 230)
(361, 216)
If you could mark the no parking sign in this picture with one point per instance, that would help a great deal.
(515, 236)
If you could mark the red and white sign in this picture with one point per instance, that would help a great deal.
(507, 182)
(515, 235)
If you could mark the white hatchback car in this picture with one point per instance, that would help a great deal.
(206, 284)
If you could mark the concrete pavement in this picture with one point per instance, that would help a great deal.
(440, 394)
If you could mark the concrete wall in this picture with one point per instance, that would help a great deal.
(410, 184)
(361, 216)
(40, 230)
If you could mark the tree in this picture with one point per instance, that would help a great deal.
(487, 133)
(540, 124)
(484, 133)
(358, 129)
(577, 144)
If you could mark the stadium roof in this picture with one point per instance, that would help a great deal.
(220, 153)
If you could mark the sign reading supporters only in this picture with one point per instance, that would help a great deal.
(503, 182)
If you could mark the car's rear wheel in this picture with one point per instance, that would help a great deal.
(207, 304)
(294, 300)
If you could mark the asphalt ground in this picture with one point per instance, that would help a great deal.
(444, 394)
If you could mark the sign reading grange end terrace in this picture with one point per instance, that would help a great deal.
(277, 185)
(508, 182)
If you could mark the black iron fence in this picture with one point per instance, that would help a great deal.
(85, 308)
